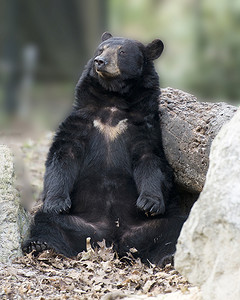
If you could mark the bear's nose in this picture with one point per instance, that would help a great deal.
(100, 61)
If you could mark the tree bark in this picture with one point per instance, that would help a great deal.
(188, 129)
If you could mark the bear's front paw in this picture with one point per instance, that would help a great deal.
(152, 204)
(57, 205)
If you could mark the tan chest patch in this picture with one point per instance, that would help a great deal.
(111, 132)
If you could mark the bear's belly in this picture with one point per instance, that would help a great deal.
(104, 196)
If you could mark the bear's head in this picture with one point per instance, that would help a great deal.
(118, 62)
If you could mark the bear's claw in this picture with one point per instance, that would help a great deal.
(151, 204)
(58, 205)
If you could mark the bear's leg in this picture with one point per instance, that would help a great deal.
(154, 239)
(154, 183)
(63, 233)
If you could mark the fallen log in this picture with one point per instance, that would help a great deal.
(188, 129)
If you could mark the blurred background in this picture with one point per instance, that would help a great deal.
(45, 44)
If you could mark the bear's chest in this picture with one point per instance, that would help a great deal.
(111, 132)
(109, 141)
(111, 124)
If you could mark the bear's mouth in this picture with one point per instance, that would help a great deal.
(105, 73)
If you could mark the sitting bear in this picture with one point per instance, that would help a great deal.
(106, 173)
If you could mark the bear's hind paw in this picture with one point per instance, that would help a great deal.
(36, 247)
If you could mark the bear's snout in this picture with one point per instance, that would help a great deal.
(100, 62)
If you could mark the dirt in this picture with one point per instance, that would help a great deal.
(95, 274)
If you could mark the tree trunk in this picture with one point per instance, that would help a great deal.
(188, 129)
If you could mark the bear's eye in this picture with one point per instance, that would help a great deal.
(100, 51)
(121, 52)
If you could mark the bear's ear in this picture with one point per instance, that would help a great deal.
(106, 36)
(154, 49)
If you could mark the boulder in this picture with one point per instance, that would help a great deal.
(188, 129)
(14, 221)
(208, 249)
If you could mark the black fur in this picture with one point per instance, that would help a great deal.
(106, 173)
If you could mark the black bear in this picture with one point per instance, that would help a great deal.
(106, 173)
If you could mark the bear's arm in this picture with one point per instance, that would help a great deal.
(152, 174)
(62, 166)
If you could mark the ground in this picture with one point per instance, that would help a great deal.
(93, 274)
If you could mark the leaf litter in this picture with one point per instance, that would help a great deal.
(103, 274)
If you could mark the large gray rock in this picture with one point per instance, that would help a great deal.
(208, 250)
(188, 129)
(14, 220)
